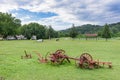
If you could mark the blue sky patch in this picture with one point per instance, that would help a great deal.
(32, 15)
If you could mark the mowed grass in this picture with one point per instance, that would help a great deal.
(12, 67)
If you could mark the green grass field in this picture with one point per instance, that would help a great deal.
(12, 67)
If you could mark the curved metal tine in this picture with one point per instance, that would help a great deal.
(38, 54)
(47, 55)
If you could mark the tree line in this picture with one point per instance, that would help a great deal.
(40, 31)
(11, 26)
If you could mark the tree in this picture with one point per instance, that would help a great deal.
(51, 33)
(56, 34)
(118, 34)
(73, 32)
(25, 30)
(106, 32)
(33, 29)
(8, 24)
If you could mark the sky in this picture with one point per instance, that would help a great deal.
(61, 14)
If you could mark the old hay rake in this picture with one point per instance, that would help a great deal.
(84, 61)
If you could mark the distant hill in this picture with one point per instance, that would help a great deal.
(89, 28)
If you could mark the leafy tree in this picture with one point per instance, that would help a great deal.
(25, 30)
(106, 32)
(118, 34)
(8, 24)
(56, 34)
(73, 32)
(33, 29)
(114, 30)
(62, 34)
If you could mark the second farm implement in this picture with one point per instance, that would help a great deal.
(84, 61)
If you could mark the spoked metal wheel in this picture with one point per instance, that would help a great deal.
(84, 60)
(60, 51)
(57, 57)
(86, 56)
(85, 64)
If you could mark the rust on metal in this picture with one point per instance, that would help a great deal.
(84, 61)
(26, 56)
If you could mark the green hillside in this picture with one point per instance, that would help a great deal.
(89, 28)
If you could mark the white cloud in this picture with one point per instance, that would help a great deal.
(7, 6)
(78, 12)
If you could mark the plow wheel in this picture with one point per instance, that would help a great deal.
(84, 61)
(57, 57)
(85, 64)
(60, 51)
(62, 56)
(86, 56)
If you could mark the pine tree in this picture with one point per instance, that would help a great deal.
(106, 32)
(73, 32)
(50, 32)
